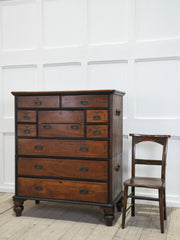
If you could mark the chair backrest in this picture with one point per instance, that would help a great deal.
(160, 139)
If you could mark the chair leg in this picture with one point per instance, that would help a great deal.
(164, 201)
(133, 202)
(161, 210)
(124, 206)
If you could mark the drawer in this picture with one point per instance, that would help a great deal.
(62, 189)
(85, 101)
(71, 168)
(61, 130)
(26, 130)
(68, 148)
(61, 116)
(97, 116)
(97, 131)
(38, 101)
(26, 116)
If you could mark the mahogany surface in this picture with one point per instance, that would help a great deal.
(69, 148)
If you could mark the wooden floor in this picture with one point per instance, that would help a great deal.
(57, 221)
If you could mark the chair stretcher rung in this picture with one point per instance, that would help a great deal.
(143, 198)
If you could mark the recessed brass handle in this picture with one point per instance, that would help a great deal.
(37, 103)
(83, 149)
(74, 127)
(47, 126)
(26, 117)
(38, 147)
(38, 166)
(117, 168)
(83, 191)
(26, 131)
(96, 132)
(84, 102)
(83, 169)
(38, 188)
(97, 117)
(118, 112)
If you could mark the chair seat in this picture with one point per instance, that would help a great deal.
(145, 182)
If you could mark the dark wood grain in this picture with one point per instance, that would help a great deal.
(69, 148)
(95, 116)
(26, 116)
(97, 131)
(82, 101)
(63, 189)
(26, 130)
(83, 169)
(38, 101)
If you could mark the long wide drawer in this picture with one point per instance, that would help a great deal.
(68, 148)
(38, 101)
(63, 189)
(50, 167)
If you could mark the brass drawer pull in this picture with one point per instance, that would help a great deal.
(117, 168)
(96, 132)
(37, 103)
(38, 166)
(26, 131)
(38, 188)
(118, 112)
(26, 117)
(38, 147)
(83, 149)
(83, 191)
(84, 102)
(74, 127)
(47, 126)
(97, 117)
(83, 169)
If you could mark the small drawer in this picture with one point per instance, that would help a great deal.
(85, 101)
(97, 131)
(38, 102)
(51, 167)
(63, 189)
(97, 116)
(26, 130)
(26, 116)
(68, 148)
(61, 130)
(61, 116)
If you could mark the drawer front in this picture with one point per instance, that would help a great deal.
(68, 148)
(97, 131)
(97, 116)
(38, 101)
(63, 189)
(61, 130)
(26, 116)
(85, 101)
(61, 116)
(26, 130)
(83, 169)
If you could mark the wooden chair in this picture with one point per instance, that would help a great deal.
(145, 182)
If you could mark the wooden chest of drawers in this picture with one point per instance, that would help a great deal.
(69, 148)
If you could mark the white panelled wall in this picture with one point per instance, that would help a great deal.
(128, 45)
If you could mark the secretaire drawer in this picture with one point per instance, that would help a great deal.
(26, 116)
(97, 116)
(68, 148)
(61, 130)
(63, 189)
(61, 116)
(85, 101)
(26, 130)
(38, 101)
(71, 168)
(97, 131)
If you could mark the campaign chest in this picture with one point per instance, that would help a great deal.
(69, 148)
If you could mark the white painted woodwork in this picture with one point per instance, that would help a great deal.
(129, 45)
